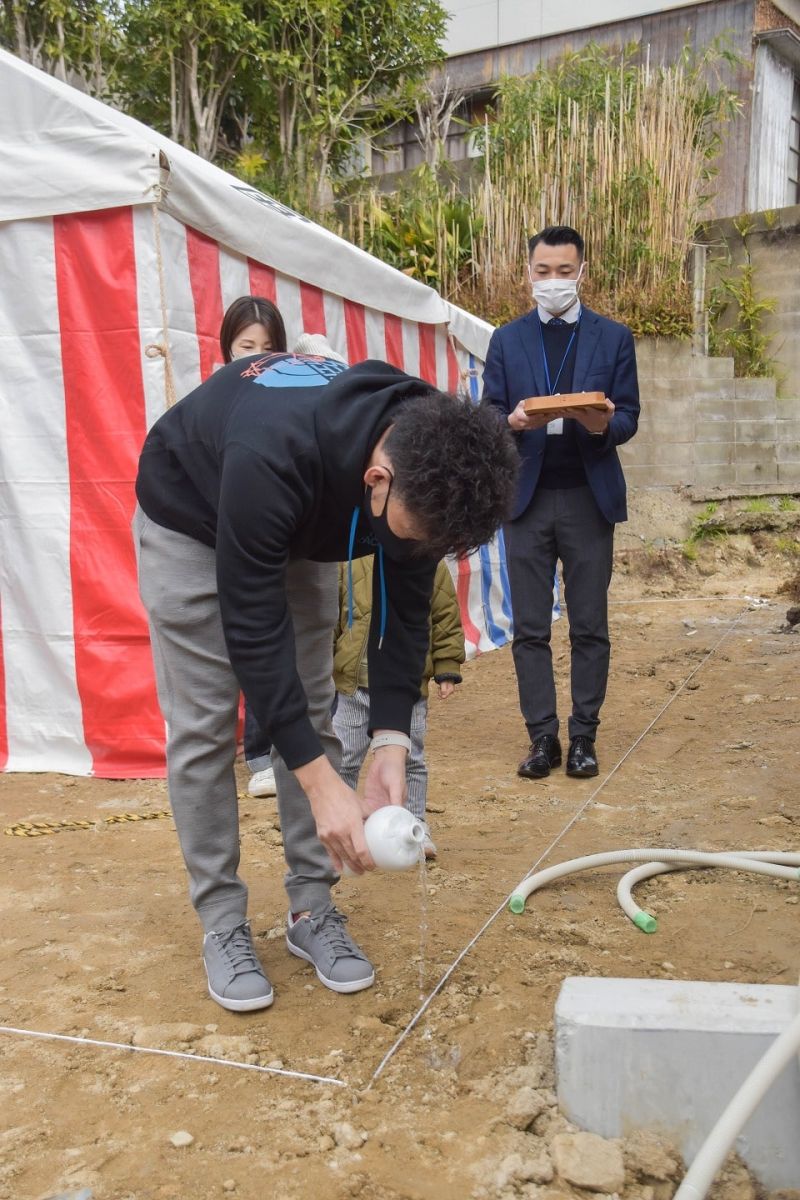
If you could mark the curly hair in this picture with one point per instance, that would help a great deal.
(455, 470)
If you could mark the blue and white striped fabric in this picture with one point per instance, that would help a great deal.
(481, 579)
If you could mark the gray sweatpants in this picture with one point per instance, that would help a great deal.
(199, 697)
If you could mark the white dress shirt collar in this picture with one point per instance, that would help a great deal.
(570, 316)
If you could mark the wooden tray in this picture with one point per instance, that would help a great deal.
(564, 402)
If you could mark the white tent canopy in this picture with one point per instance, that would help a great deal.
(65, 152)
(119, 253)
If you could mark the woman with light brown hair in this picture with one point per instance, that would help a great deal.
(253, 325)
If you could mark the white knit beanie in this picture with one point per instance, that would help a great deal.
(317, 344)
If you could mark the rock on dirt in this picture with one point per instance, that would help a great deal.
(524, 1107)
(650, 1157)
(519, 1168)
(589, 1161)
(346, 1136)
(181, 1138)
(218, 1045)
(166, 1036)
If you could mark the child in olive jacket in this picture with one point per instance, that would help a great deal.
(442, 664)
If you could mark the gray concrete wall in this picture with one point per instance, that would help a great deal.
(774, 249)
(668, 1054)
(700, 427)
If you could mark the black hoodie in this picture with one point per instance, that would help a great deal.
(265, 462)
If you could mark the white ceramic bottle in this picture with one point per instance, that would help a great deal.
(394, 838)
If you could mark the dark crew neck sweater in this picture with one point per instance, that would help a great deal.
(264, 462)
(563, 465)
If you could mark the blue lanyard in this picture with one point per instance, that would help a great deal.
(551, 387)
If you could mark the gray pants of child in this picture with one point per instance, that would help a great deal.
(350, 724)
(199, 697)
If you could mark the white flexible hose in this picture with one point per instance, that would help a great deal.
(714, 1150)
(644, 920)
(698, 858)
(700, 1176)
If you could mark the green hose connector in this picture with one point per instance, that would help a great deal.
(645, 922)
(517, 903)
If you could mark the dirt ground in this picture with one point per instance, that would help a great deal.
(100, 942)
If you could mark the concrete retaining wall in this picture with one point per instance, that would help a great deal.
(703, 428)
(774, 249)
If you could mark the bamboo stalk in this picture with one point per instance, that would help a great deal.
(629, 173)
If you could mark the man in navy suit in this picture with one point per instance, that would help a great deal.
(571, 491)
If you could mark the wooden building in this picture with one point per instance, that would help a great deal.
(758, 165)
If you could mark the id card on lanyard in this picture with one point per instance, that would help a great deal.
(557, 425)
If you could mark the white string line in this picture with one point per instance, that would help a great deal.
(462, 955)
(219, 1062)
(753, 601)
(643, 735)
(223, 1062)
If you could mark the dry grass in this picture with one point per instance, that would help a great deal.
(622, 155)
(632, 179)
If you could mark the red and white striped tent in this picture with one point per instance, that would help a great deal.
(119, 252)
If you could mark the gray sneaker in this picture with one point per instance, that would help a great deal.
(322, 940)
(236, 979)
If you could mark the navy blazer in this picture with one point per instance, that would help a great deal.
(605, 361)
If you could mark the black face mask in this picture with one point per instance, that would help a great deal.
(399, 549)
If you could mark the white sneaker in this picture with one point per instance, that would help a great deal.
(262, 783)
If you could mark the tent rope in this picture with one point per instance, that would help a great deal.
(42, 828)
(162, 348)
(464, 373)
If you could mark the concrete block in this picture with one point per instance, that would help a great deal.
(714, 368)
(787, 408)
(708, 475)
(654, 355)
(787, 452)
(746, 433)
(711, 389)
(789, 474)
(762, 453)
(788, 430)
(675, 454)
(713, 427)
(721, 410)
(681, 372)
(646, 475)
(755, 410)
(714, 432)
(755, 389)
(661, 390)
(673, 421)
(669, 1055)
(715, 453)
(762, 474)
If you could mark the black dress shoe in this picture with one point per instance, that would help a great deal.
(545, 753)
(582, 760)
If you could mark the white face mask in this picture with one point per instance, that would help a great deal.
(555, 296)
